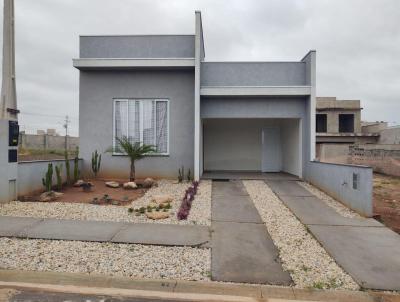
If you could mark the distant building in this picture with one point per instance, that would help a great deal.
(339, 121)
(338, 126)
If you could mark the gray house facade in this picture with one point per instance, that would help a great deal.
(205, 116)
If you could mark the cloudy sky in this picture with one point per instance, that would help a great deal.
(357, 43)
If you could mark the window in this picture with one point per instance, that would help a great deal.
(321, 123)
(346, 123)
(142, 120)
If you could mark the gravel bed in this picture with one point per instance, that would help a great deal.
(336, 205)
(302, 256)
(200, 213)
(128, 260)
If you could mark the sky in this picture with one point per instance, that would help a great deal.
(357, 44)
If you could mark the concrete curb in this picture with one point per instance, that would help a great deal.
(175, 289)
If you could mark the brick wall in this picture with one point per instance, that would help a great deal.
(382, 158)
(50, 142)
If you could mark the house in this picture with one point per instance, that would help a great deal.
(338, 126)
(205, 116)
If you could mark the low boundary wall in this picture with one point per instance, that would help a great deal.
(350, 184)
(30, 174)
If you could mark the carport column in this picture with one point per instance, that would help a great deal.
(197, 122)
(310, 60)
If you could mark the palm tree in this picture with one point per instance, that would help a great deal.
(135, 151)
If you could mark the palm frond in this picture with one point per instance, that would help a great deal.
(134, 150)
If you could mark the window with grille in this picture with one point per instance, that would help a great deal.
(142, 120)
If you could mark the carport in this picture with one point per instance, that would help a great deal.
(256, 145)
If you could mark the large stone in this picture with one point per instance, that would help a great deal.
(50, 196)
(157, 215)
(79, 183)
(149, 182)
(112, 184)
(162, 199)
(130, 185)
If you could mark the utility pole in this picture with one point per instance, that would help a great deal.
(9, 129)
(8, 102)
(67, 121)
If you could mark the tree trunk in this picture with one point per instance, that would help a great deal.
(132, 174)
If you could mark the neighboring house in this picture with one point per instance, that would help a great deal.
(338, 126)
(205, 116)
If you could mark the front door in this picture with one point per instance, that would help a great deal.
(271, 150)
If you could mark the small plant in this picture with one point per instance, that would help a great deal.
(168, 206)
(67, 167)
(48, 180)
(96, 161)
(59, 178)
(189, 177)
(318, 285)
(130, 210)
(95, 200)
(181, 174)
(142, 210)
(186, 204)
(135, 151)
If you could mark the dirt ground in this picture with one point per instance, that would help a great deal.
(117, 196)
(387, 200)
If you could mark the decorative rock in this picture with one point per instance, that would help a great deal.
(162, 199)
(49, 196)
(130, 185)
(148, 182)
(112, 184)
(79, 183)
(157, 215)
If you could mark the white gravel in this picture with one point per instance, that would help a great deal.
(336, 205)
(128, 260)
(200, 213)
(302, 256)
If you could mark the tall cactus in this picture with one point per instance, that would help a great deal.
(48, 180)
(59, 178)
(76, 169)
(96, 160)
(76, 165)
(67, 167)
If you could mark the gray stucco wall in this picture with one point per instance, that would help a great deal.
(157, 46)
(97, 90)
(253, 74)
(337, 181)
(30, 174)
(8, 171)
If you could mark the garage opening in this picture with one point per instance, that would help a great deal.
(258, 145)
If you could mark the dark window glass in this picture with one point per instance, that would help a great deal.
(321, 123)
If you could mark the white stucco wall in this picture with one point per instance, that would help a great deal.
(291, 142)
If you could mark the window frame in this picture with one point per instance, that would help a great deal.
(127, 100)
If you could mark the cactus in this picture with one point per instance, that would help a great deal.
(76, 169)
(96, 160)
(189, 177)
(181, 174)
(48, 180)
(59, 178)
(67, 167)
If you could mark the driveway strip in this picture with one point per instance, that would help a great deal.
(242, 250)
(363, 247)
